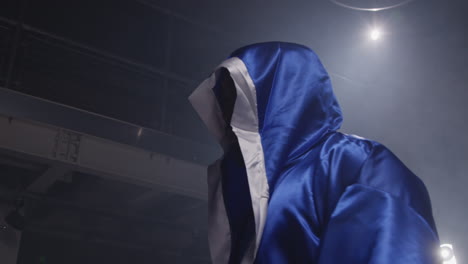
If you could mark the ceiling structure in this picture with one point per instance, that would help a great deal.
(114, 76)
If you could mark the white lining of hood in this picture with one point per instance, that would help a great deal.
(245, 125)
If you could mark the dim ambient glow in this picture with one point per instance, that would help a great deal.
(446, 253)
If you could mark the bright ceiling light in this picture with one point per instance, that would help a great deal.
(446, 253)
(375, 34)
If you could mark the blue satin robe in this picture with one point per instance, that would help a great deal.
(333, 198)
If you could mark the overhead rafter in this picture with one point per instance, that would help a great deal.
(73, 151)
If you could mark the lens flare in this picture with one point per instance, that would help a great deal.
(353, 6)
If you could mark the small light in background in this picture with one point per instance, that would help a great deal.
(375, 34)
(446, 252)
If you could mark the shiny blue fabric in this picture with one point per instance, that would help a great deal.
(334, 198)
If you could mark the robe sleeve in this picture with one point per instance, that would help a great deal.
(384, 218)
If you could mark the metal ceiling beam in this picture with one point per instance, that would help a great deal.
(18, 163)
(89, 154)
(22, 106)
(42, 183)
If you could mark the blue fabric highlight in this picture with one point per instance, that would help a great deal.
(295, 101)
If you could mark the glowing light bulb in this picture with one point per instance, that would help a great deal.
(446, 253)
(375, 34)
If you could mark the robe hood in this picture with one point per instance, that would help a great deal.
(283, 93)
(284, 106)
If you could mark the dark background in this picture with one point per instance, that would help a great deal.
(138, 60)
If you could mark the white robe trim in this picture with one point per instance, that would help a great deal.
(245, 125)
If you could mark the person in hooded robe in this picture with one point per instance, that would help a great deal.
(289, 187)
